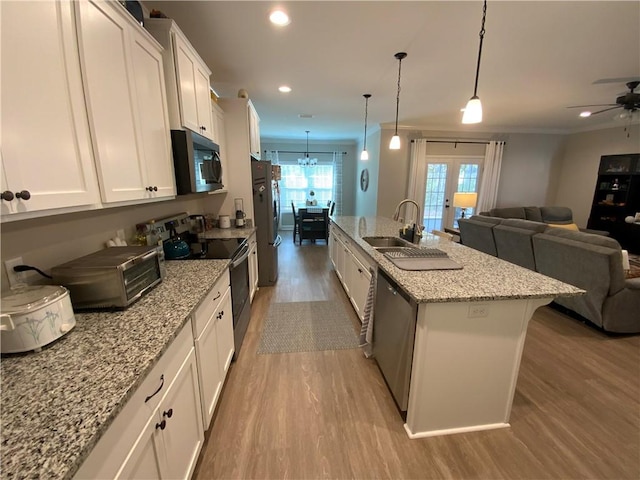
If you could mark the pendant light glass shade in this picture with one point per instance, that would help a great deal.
(395, 140)
(473, 110)
(365, 155)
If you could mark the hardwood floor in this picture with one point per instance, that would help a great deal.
(576, 412)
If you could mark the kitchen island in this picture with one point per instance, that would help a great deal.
(57, 403)
(470, 329)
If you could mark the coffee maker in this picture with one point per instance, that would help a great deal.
(240, 215)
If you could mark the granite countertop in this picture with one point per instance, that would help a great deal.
(482, 278)
(244, 232)
(57, 403)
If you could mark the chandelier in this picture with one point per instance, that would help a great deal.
(306, 161)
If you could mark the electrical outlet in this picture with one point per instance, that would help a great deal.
(478, 311)
(15, 278)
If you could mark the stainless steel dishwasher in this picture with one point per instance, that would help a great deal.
(393, 335)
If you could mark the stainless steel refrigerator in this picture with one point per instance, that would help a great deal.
(266, 213)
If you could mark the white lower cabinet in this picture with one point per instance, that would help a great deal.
(170, 443)
(158, 433)
(352, 268)
(359, 279)
(213, 334)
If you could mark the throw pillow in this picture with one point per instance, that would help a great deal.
(568, 226)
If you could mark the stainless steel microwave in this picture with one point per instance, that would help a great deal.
(196, 161)
(111, 278)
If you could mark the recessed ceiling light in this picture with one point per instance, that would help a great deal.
(585, 114)
(284, 89)
(279, 17)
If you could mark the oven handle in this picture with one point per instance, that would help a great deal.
(243, 256)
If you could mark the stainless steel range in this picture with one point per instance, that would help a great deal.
(174, 230)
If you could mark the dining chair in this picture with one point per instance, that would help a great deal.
(296, 223)
(332, 208)
(328, 203)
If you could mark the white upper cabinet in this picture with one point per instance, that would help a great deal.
(46, 147)
(187, 78)
(254, 131)
(125, 94)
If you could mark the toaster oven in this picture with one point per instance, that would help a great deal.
(111, 278)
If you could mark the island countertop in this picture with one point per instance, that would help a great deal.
(57, 403)
(482, 278)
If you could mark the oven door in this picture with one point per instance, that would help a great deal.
(241, 306)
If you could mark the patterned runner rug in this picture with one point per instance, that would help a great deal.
(306, 327)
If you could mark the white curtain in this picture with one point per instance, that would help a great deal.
(337, 182)
(415, 185)
(488, 192)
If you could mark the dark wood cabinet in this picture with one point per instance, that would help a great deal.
(617, 196)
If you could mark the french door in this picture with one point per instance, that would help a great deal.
(443, 176)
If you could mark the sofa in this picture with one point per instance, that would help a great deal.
(552, 215)
(589, 261)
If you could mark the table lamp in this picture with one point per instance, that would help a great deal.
(465, 200)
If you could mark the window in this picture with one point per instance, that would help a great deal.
(297, 181)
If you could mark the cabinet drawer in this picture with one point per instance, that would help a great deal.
(209, 304)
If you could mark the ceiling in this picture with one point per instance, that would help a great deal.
(538, 58)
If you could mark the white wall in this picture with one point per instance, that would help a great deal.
(348, 162)
(366, 202)
(48, 241)
(578, 169)
(525, 178)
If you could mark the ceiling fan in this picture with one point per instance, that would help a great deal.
(630, 102)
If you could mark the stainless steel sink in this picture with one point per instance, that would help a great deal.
(377, 242)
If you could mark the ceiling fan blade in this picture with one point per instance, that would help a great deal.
(596, 105)
(605, 110)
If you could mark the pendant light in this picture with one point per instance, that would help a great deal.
(365, 155)
(395, 140)
(473, 110)
(306, 161)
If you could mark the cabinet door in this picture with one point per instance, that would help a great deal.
(105, 53)
(254, 131)
(341, 263)
(153, 118)
(224, 334)
(46, 147)
(209, 370)
(203, 100)
(185, 64)
(146, 460)
(360, 286)
(183, 435)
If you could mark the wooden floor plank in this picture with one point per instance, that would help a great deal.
(307, 415)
